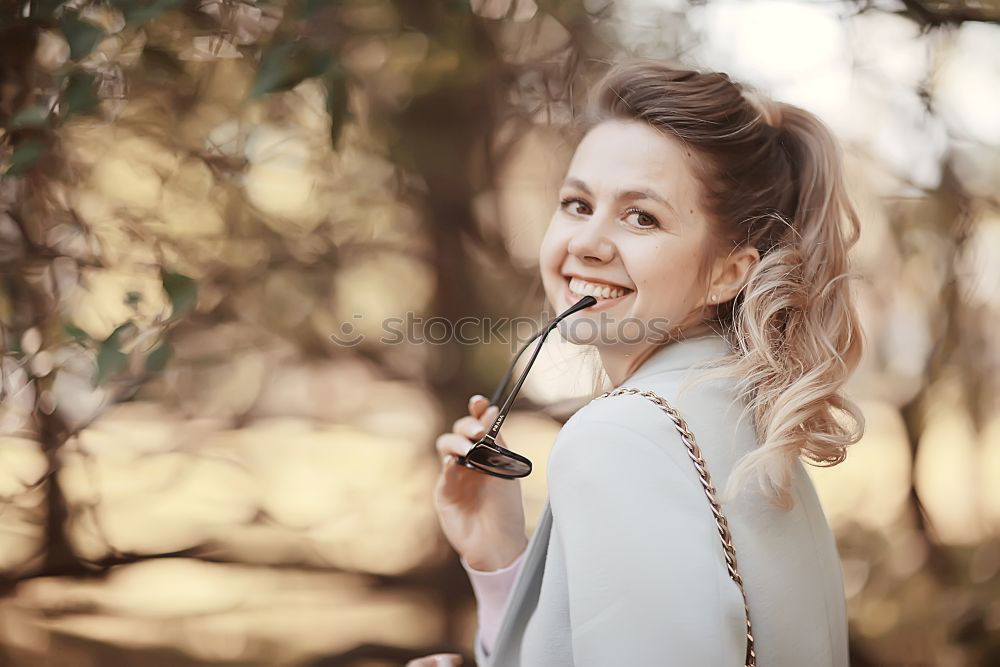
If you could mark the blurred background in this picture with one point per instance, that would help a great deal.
(211, 450)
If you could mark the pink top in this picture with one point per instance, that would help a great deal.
(492, 590)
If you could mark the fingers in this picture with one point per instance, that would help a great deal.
(451, 445)
(467, 430)
(477, 404)
(470, 427)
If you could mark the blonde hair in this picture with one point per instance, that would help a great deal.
(772, 178)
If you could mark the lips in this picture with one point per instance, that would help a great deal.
(598, 290)
(571, 296)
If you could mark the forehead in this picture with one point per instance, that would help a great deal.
(621, 154)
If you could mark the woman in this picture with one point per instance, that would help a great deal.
(689, 200)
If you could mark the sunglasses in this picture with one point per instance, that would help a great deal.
(486, 455)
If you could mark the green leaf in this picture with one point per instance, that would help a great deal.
(157, 359)
(81, 36)
(76, 333)
(26, 154)
(45, 9)
(336, 103)
(80, 96)
(30, 116)
(110, 359)
(284, 66)
(182, 290)
(310, 7)
(137, 12)
(458, 7)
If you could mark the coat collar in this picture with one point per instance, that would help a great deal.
(681, 354)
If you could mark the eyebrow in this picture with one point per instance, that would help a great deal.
(624, 194)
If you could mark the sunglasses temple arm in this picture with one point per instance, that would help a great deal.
(585, 302)
(517, 387)
(510, 371)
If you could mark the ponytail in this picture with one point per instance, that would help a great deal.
(796, 328)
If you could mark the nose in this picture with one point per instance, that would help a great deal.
(590, 243)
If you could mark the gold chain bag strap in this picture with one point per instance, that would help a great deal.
(694, 452)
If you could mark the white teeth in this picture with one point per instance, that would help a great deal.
(584, 288)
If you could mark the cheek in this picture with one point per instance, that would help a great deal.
(552, 248)
(664, 274)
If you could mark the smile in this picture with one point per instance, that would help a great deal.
(607, 295)
(600, 291)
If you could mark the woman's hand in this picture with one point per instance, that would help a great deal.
(481, 515)
(437, 660)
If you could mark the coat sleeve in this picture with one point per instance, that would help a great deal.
(646, 573)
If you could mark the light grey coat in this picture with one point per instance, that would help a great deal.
(626, 567)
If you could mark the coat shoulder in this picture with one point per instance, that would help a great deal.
(604, 434)
(624, 414)
(641, 415)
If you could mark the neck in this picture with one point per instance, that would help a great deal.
(621, 361)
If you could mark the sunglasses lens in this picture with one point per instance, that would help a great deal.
(498, 462)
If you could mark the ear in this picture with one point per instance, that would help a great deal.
(730, 273)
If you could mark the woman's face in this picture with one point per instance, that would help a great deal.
(629, 231)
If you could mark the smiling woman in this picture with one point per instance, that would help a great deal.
(690, 201)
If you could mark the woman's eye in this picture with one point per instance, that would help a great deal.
(643, 219)
(566, 203)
